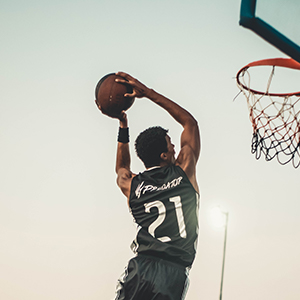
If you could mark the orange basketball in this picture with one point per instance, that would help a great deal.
(110, 95)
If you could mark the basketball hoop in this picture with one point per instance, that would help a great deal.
(275, 117)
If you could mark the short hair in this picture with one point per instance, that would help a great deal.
(150, 144)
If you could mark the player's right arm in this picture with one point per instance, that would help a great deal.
(124, 174)
(190, 137)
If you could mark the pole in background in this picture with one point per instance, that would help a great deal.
(220, 219)
(224, 251)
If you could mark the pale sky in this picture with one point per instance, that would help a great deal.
(65, 229)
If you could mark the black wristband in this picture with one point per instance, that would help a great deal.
(123, 136)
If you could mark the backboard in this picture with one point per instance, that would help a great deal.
(268, 32)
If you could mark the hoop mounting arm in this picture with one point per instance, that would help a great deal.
(265, 31)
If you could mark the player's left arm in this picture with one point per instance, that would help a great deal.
(190, 150)
(124, 174)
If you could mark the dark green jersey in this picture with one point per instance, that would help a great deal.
(165, 206)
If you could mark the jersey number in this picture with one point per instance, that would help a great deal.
(162, 215)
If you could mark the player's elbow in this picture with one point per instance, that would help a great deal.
(123, 175)
(120, 166)
(120, 180)
(191, 123)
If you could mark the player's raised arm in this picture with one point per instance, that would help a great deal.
(190, 136)
(124, 175)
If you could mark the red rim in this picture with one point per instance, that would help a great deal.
(278, 62)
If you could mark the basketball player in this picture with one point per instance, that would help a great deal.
(164, 202)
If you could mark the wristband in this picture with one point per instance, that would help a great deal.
(123, 136)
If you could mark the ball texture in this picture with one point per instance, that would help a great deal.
(110, 95)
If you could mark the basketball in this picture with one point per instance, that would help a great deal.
(110, 95)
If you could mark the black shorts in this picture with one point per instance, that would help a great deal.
(151, 278)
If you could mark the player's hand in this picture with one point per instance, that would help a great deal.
(123, 119)
(139, 89)
(98, 104)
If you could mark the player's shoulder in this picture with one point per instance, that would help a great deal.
(125, 173)
(186, 156)
(187, 160)
(124, 179)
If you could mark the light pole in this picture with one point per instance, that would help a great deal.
(220, 219)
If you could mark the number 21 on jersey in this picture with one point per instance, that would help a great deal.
(162, 215)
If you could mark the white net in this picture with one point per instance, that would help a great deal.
(276, 122)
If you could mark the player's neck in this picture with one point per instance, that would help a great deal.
(151, 168)
(162, 164)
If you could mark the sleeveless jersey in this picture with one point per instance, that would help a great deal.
(165, 206)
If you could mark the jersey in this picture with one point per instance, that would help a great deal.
(165, 206)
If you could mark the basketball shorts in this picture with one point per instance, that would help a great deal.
(151, 278)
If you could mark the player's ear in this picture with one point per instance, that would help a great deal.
(163, 156)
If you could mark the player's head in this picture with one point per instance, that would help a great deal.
(153, 146)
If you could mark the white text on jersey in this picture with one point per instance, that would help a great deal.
(141, 188)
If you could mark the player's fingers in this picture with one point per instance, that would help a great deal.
(124, 81)
(125, 75)
(130, 95)
(98, 104)
(121, 81)
(122, 116)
